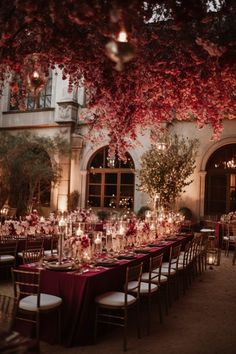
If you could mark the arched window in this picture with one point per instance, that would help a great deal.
(220, 195)
(110, 181)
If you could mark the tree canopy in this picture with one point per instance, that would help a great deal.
(183, 62)
(165, 172)
(27, 165)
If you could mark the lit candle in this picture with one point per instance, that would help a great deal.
(98, 244)
(122, 230)
(79, 232)
(152, 227)
(62, 222)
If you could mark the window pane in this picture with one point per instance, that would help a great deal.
(30, 103)
(48, 101)
(110, 190)
(95, 177)
(128, 163)
(126, 203)
(94, 201)
(126, 191)
(110, 202)
(111, 178)
(97, 161)
(127, 178)
(95, 189)
(42, 102)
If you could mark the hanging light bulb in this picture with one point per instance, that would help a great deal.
(111, 160)
(122, 36)
(120, 50)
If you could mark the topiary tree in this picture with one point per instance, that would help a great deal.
(73, 201)
(165, 168)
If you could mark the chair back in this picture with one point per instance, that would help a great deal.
(6, 312)
(186, 256)
(232, 229)
(155, 264)
(192, 249)
(26, 283)
(133, 279)
(174, 258)
(32, 255)
(8, 248)
(33, 242)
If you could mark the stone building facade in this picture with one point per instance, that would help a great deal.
(62, 116)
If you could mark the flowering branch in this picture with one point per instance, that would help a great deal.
(184, 65)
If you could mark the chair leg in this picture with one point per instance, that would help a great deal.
(227, 248)
(166, 292)
(95, 326)
(148, 314)
(138, 320)
(59, 325)
(37, 326)
(234, 256)
(125, 331)
(159, 306)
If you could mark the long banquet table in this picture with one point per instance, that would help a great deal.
(78, 291)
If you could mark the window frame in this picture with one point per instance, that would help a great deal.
(103, 171)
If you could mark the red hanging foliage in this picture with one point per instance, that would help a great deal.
(184, 65)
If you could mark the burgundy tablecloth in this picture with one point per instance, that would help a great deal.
(79, 290)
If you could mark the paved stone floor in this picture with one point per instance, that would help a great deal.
(201, 322)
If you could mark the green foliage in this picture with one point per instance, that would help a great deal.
(27, 165)
(102, 214)
(73, 200)
(166, 171)
(186, 212)
(141, 212)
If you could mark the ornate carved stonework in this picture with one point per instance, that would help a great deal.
(67, 112)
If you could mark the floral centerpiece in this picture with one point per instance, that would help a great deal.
(33, 218)
(230, 217)
(77, 247)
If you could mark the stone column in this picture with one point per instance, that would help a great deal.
(202, 193)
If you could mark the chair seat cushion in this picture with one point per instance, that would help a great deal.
(154, 277)
(114, 298)
(181, 265)
(165, 271)
(144, 287)
(20, 254)
(50, 252)
(6, 258)
(47, 302)
(232, 238)
(163, 279)
(229, 238)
